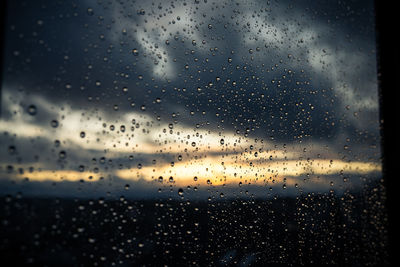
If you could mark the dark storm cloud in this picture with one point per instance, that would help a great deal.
(83, 53)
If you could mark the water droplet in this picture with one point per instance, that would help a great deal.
(10, 168)
(90, 11)
(11, 150)
(32, 110)
(54, 123)
(180, 191)
(62, 155)
(82, 134)
(81, 168)
(221, 141)
(135, 52)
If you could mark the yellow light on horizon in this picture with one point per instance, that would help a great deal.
(60, 175)
(212, 170)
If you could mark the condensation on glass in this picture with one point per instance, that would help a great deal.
(204, 133)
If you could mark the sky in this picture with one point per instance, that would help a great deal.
(188, 98)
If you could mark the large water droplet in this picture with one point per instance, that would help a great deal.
(32, 110)
(54, 123)
(180, 191)
(62, 154)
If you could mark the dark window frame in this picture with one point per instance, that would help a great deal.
(387, 66)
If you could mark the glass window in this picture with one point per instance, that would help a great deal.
(191, 133)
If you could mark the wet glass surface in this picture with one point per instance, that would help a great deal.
(191, 133)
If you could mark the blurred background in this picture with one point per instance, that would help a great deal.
(191, 133)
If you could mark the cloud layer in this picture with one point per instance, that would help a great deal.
(250, 92)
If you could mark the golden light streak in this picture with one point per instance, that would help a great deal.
(216, 172)
(59, 176)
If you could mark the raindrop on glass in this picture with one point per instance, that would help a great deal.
(32, 110)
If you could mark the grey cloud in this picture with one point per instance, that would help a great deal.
(100, 63)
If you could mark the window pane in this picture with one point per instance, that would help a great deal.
(191, 133)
